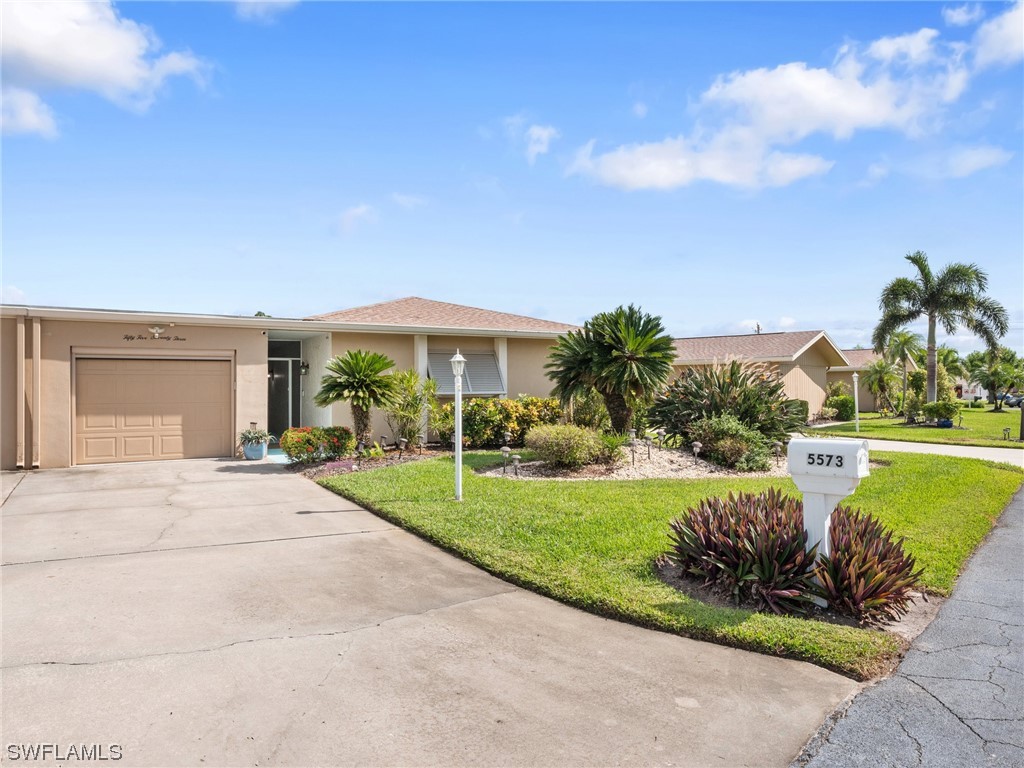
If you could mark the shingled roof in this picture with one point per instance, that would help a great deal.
(414, 312)
(760, 347)
(862, 358)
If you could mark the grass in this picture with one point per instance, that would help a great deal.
(981, 428)
(591, 544)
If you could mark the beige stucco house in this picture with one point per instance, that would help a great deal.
(88, 386)
(801, 358)
(860, 360)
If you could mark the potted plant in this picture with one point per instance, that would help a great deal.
(254, 442)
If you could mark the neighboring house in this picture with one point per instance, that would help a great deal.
(801, 358)
(860, 360)
(89, 386)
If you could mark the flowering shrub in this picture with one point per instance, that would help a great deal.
(306, 445)
(486, 419)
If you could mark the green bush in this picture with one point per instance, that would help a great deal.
(752, 544)
(844, 405)
(589, 411)
(755, 545)
(941, 409)
(413, 398)
(486, 419)
(337, 442)
(868, 575)
(750, 392)
(727, 441)
(802, 411)
(612, 447)
(565, 445)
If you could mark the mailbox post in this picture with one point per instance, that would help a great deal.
(826, 472)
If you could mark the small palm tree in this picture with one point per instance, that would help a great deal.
(624, 355)
(996, 375)
(880, 377)
(955, 297)
(359, 378)
(902, 346)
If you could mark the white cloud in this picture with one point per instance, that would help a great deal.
(11, 294)
(1000, 40)
(746, 121)
(409, 201)
(787, 322)
(87, 45)
(962, 15)
(640, 109)
(875, 173)
(263, 11)
(24, 112)
(538, 140)
(356, 215)
(965, 161)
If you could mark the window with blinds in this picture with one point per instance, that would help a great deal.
(481, 376)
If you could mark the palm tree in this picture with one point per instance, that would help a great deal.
(902, 346)
(996, 374)
(955, 297)
(880, 377)
(359, 378)
(624, 355)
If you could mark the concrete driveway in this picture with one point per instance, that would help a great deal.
(229, 613)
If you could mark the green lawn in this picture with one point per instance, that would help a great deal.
(981, 427)
(592, 543)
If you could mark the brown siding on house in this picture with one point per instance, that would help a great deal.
(8, 392)
(526, 360)
(866, 400)
(805, 382)
(248, 347)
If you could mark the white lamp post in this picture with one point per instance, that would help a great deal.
(856, 403)
(458, 366)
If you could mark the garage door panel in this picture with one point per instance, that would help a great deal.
(141, 410)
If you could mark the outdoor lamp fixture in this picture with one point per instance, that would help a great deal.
(505, 451)
(1006, 431)
(960, 422)
(648, 439)
(402, 442)
(777, 446)
(423, 442)
(632, 434)
(696, 452)
(661, 437)
(383, 441)
(508, 437)
(856, 403)
(632, 445)
(515, 463)
(458, 366)
(303, 368)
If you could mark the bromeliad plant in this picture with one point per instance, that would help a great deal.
(868, 575)
(753, 544)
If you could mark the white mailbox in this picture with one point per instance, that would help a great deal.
(826, 472)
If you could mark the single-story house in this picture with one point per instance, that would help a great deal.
(91, 386)
(860, 360)
(801, 358)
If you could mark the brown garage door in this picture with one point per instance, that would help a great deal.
(146, 410)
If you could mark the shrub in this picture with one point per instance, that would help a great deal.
(589, 411)
(612, 448)
(836, 388)
(751, 392)
(868, 575)
(727, 441)
(486, 419)
(827, 414)
(941, 409)
(337, 442)
(752, 544)
(844, 405)
(917, 381)
(802, 410)
(303, 445)
(412, 399)
(565, 445)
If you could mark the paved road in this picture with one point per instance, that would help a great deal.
(223, 613)
(1013, 456)
(958, 697)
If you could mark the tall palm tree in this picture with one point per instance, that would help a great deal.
(880, 377)
(359, 378)
(955, 297)
(901, 347)
(624, 355)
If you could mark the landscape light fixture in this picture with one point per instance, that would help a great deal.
(458, 366)
(505, 451)
(696, 452)
(423, 442)
(661, 437)
(515, 463)
(648, 439)
(508, 437)
(632, 445)
(777, 446)
(1006, 433)
(402, 442)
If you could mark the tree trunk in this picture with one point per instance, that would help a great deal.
(903, 399)
(361, 424)
(931, 360)
(619, 411)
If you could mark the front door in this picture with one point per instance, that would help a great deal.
(283, 396)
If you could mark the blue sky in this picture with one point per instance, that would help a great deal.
(719, 164)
